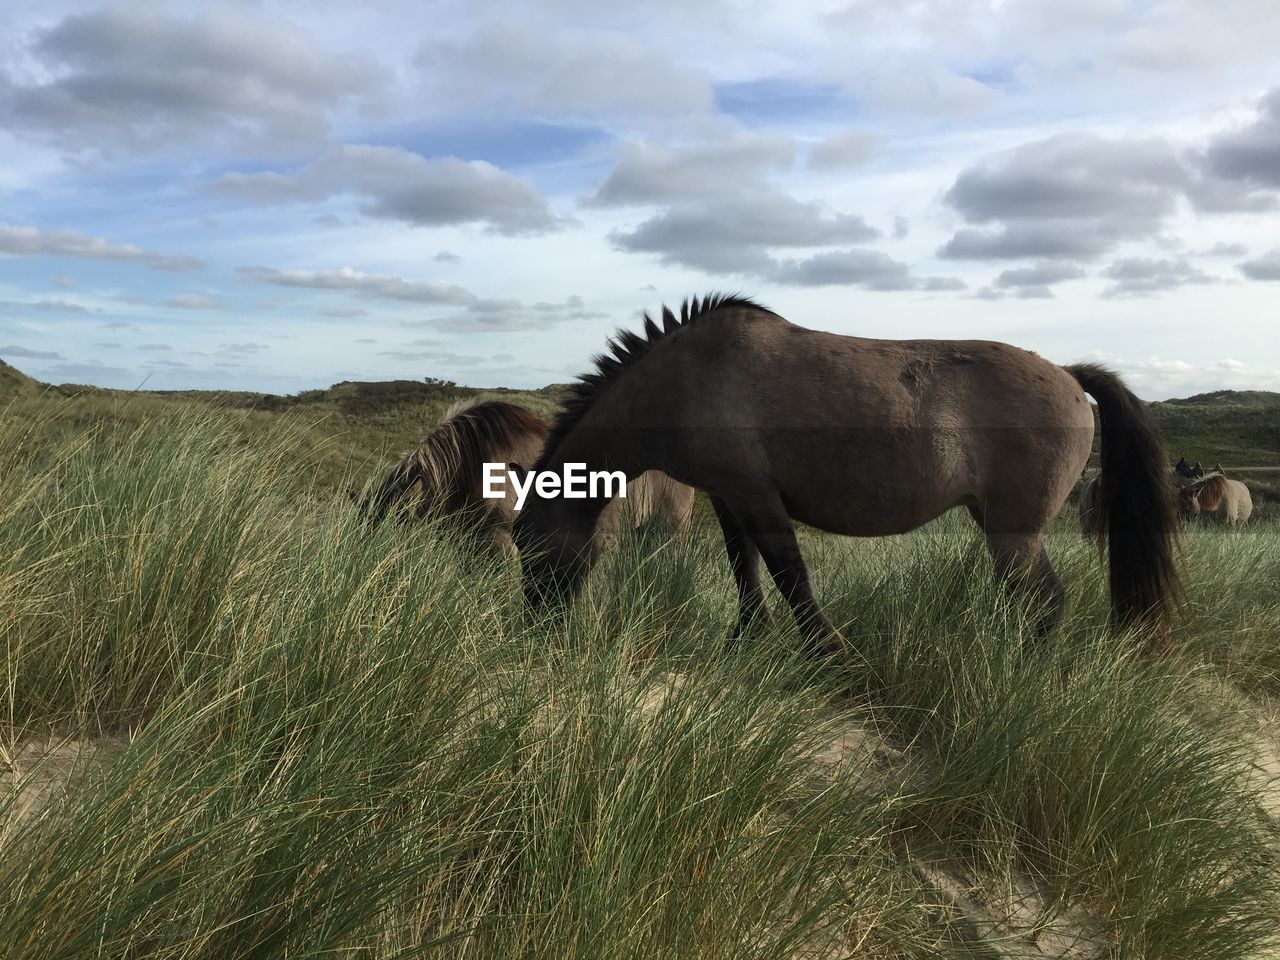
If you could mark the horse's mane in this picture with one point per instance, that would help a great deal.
(444, 465)
(624, 350)
(1210, 489)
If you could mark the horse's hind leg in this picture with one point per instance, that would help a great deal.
(744, 561)
(775, 537)
(1021, 559)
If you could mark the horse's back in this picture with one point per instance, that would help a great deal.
(873, 436)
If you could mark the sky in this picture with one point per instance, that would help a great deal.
(280, 195)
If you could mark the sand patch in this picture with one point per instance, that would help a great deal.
(36, 773)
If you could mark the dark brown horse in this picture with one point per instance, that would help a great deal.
(444, 476)
(861, 437)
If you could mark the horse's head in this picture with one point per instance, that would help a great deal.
(1189, 502)
(556, 546)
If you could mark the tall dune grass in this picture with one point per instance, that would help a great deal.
(343, 743)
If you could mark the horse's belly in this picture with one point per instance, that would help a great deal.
(867, 506)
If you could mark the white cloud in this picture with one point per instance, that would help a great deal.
(25, 241)
(367, 285)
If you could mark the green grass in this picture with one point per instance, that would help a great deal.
(353, 745)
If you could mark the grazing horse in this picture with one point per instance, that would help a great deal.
(862, 437)
(444, 475)
(1089, 508)
(1228, 501)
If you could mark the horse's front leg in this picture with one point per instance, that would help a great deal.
(744, 561)
(774, 535)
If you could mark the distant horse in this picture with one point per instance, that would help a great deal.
(444, 476)
(1228, 501)
(862, 437)
(1089, 508)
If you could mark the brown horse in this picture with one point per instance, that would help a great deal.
(444, 476)
(861, 437)
(1227, 501)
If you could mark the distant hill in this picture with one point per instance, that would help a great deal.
(13, 382)
(1235, 427)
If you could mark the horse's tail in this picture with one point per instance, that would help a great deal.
(1134, 511)
(441, 472)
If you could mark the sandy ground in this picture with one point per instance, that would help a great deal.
(1012, 920)
(35, 772)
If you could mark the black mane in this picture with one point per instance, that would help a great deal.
(625, 350)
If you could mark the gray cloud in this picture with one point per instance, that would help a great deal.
(93, 372)
(1018, 241)
(344, 314)
(1078, 196)
(1265, 267)
(647, 173)
(243, 349)
(130, 75)
(732, 237)
(58, 306)
(504, 314)
(25, 352)
(194, 301)
(1137, 277)
(1250, 154)
(1035, 281)
(1225, 250)
(34, 242)
(155, 346)
(1032, 291)
(871, 269)
(368, 285)
(63, 283)
(401, 185)
(43, 306)
(1073, 196)
(843, 151)
(439, 357)
(447, 256)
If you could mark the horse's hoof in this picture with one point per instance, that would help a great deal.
(827, 646)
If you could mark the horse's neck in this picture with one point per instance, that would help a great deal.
(599, 448)
(598, 442)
